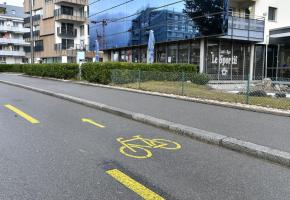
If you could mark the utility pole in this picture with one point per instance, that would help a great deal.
(104, 24)
(31, 35)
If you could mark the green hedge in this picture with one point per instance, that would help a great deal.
(101, 72)
(97, 72)
(56, 70)
(11, 68)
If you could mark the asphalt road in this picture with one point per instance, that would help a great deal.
(62, 157)
(259, 128)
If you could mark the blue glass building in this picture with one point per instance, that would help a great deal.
(217, 35)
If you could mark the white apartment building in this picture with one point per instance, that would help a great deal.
(277, 36)
(11, 34)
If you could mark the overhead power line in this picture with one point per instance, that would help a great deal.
(116, 6)
(94, 2)
(140, 12)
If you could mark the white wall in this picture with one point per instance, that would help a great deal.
(283, 14)
(13, 60)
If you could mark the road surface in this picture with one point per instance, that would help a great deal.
(54, 149)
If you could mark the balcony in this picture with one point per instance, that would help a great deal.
(27, 35)
(66, 33)
(36, 49)
(35, 19)
(12, 53)
(76, 2)
(62, 50)
(60, 15)
(13, 29)
(248, 28)
(13, 41)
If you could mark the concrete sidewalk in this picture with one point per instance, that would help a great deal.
(264, 129)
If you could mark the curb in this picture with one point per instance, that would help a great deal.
(258, 151)
(239, 106)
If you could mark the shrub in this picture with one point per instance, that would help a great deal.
(11, 68)
(102, 72)
(200, 79)
(63, 71)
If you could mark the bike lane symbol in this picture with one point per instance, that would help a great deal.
(139, 147)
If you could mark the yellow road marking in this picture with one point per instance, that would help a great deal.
(93, 123)
(133, 185)
(22, 114)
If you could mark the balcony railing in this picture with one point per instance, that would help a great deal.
(12, 53)
(77, 2)
(27, 35)
(14, 29)
(78, 47)
(13, 41)
(35, 19)
(61, 15)
(66, 33)
(246, 27)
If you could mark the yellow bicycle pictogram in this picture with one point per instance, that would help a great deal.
(139, 147)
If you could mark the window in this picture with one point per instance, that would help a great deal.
(67, 28)
(66, 10)
(272, 15)
(82, 30)
(13, 12)
(67, 44)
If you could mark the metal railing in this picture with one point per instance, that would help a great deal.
(78, 2)
(35, 18)
(13, 41)
(245, 27)
(66, 33)
(61, 47)
(62, 15)
(261, 92)
(12, 53)
(28, 35)
(15, 29)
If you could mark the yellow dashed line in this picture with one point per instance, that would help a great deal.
(133, 185)
(22, 114)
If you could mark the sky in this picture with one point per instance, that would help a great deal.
(12, 2)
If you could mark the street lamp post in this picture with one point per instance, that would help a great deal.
(31, 35)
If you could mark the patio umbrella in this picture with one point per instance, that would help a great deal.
(97, 49)
(150, 50)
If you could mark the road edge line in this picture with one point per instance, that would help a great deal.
(258, 151)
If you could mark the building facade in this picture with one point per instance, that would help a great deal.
(277, 37)
(60, 30)
(12, 30)
(221, 39)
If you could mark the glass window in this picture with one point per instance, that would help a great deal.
(66, 10)
(172, 53)
(161, 53)
(195, 53)
(272, 15)
(212, 58)
(67, 44)
(183, 53)
(225, 60)
(82, 30)
(135, 55)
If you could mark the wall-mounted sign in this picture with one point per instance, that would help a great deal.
(224, 59)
